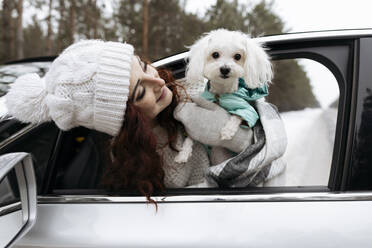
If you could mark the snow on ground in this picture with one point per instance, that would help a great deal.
(309, 151)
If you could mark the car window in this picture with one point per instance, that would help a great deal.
(81, 159)
(306, 94)
(39, 141)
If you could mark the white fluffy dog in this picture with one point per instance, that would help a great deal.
(222, 57)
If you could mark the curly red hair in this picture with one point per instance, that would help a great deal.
(134, 163)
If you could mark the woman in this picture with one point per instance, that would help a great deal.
(153, 134)
(104, 86)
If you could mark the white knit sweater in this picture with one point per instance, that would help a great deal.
(178, 175)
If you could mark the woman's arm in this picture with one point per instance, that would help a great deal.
(203, 121)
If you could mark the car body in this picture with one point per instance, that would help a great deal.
(73, 211)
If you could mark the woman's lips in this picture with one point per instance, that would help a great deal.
(163, 93)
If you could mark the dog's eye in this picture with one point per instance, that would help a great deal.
(215, 55)
(237, 56)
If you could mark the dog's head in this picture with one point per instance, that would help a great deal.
(223, 56)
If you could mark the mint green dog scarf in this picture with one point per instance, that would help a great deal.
(237, 103)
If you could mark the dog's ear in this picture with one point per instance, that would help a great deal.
(195, 67)
(257, 66)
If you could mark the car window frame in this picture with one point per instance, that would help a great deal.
(325, 53)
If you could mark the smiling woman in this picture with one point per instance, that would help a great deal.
(148, 138)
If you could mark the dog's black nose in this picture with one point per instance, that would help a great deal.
(224, 70)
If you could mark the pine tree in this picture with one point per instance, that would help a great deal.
(227, 14)
(49, 42)
(19, 30)
(169, 30)
(8, 39)
(263, 21)
(34, 40)
(291, 89)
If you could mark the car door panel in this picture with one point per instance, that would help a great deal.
(11, 224)
(203, 224)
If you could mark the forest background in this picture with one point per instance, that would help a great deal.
(156, 28)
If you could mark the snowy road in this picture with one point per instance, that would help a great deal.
(310, 135)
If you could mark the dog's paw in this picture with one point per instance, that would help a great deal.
(231, 127)
(182, 157)
(227, 133)
(185, 153)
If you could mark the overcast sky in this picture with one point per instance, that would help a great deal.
(313, 15)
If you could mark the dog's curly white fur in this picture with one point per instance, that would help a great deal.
(224, 56)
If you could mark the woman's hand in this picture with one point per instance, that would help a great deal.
(203, 121)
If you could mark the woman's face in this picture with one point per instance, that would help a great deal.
(147, 90)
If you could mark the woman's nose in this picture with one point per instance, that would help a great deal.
(157, 82)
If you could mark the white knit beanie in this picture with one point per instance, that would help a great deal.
(87, 85)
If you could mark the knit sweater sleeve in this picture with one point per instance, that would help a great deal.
(199, 161)
(178, 175)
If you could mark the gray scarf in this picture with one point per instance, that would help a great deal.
(260, 161)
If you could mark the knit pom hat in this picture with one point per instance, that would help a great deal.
(87, 85)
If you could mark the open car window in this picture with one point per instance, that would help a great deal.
(306, 94)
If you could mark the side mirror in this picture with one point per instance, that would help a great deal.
(18, 200)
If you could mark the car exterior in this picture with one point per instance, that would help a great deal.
(74, 211)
